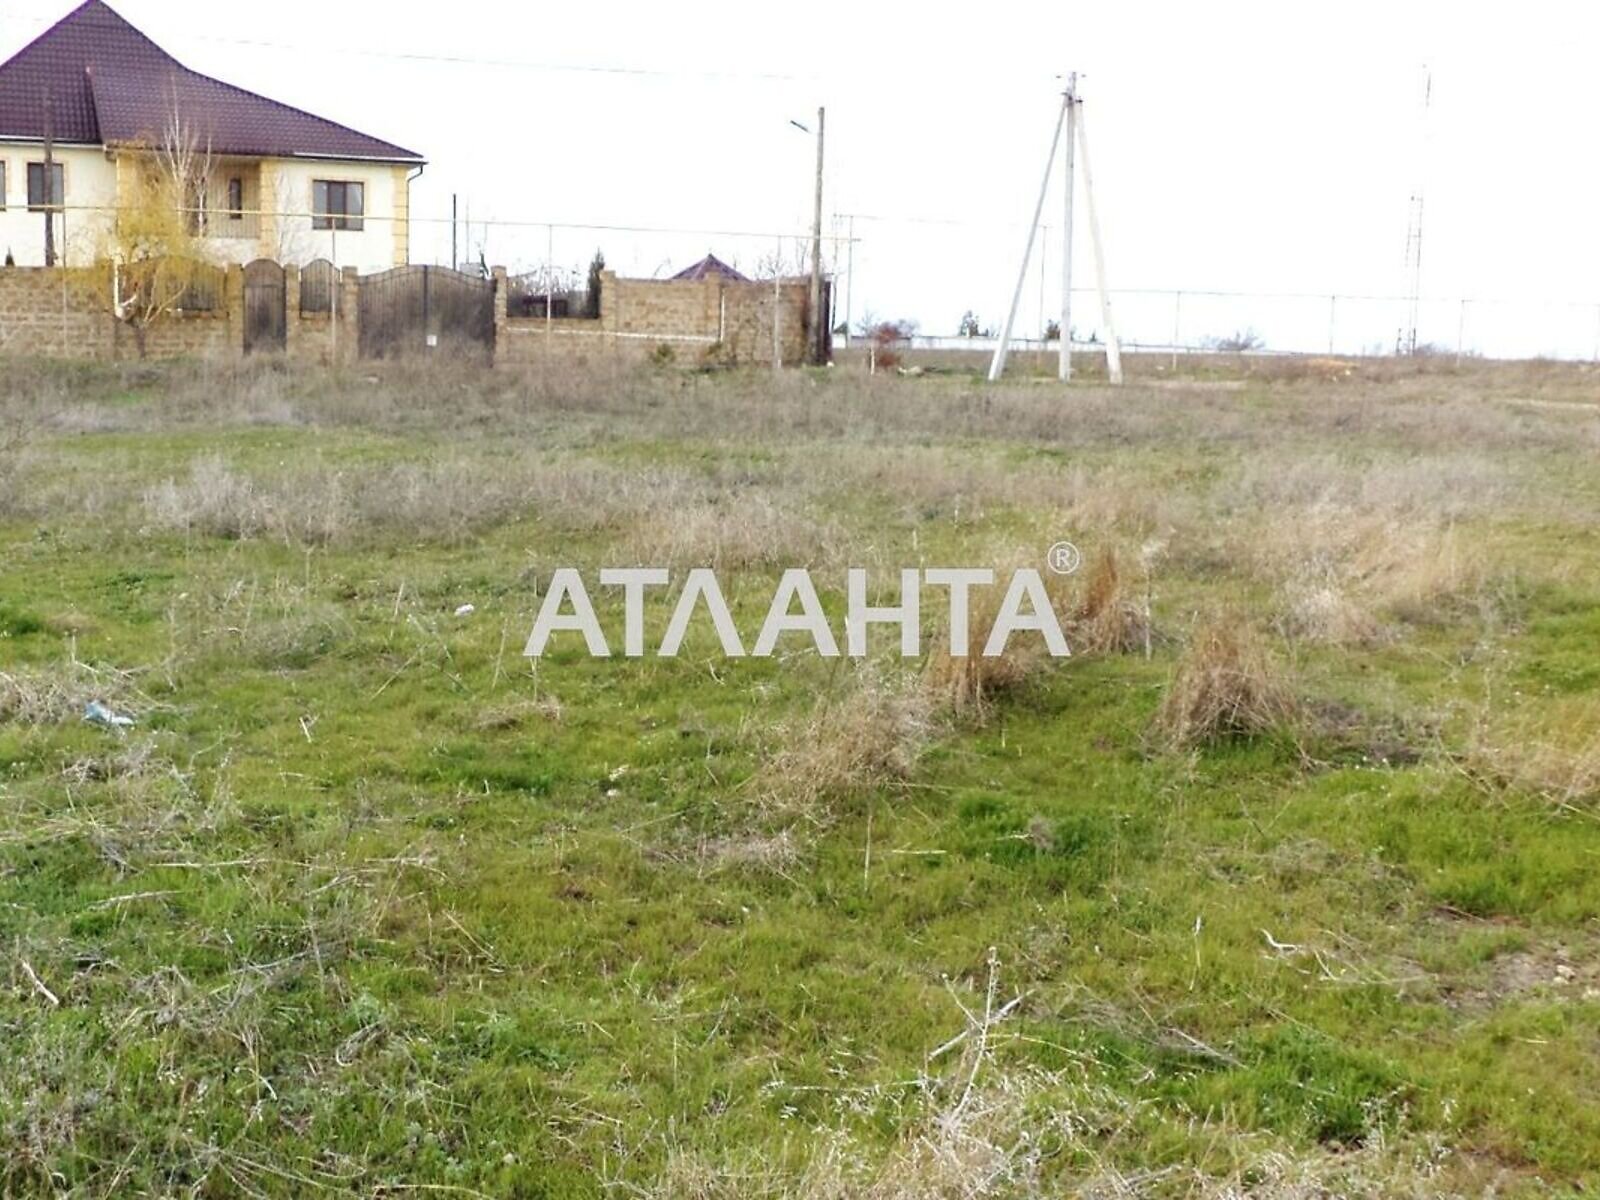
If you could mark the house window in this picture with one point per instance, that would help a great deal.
(38, 200)
(337, 205)
(235, 199)
(2, 186)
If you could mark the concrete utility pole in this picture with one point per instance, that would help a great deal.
(1113, 346)
(1064, 366)
(849, 276)
(819, 332)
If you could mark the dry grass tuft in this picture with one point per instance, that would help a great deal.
(968, 687)
(518, 713)
(1557, 761)
(1346, 577)
(1226, 686)
(776, 853)
(1108, 620)
(869, 737)
(730, 532)
(297, 638)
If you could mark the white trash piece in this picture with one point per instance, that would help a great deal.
(466, 610)
(97, 713)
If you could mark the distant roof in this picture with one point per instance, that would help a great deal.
(711, 267)
(108, 84)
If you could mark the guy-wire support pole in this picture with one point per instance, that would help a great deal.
(998, 364)
(1113, 349)
(849, 276)
(1064, 366)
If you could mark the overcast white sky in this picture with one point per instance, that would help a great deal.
(1249, 146)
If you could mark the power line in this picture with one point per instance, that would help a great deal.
(495, 222)
(461, 60)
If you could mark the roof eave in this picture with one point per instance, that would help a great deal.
(396, 159)
(35, 139)
(412, 160)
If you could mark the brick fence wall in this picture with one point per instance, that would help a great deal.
(689, 321)
(62, 313)
(45, 312)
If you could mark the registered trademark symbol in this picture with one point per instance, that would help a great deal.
(1064, 558)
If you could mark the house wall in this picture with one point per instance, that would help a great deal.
(286, 188)
(89, 181)
(94, 180)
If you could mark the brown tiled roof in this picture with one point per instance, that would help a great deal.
(108, 84)
(711, 267)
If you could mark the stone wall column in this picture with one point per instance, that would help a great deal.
(233, 309)
(498, 351)
(291, 311)
(349, 315)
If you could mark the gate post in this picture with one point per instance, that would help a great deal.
(291, 311)
(427, 313)
(233, 307)
(500, 286)
(349, 315)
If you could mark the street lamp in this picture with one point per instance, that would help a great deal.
(818, 317)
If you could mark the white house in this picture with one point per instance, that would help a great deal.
(278, 182)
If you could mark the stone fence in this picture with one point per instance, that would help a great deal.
(318, 314)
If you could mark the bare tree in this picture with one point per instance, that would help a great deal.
(155, 253)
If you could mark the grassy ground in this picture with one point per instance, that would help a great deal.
(1285, 883)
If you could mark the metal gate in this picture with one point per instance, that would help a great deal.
(411, 310)
(264, 324)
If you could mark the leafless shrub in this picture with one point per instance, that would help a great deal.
(134, 760)
(1243, 341)
(214, 500)
(60, 692)
(1226, 686)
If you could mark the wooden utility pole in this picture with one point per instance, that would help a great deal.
(819, 332)
(49, 181)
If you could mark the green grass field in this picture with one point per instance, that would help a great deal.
(365, 903)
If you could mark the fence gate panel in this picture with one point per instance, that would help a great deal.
(411, 310)
(264, 323)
